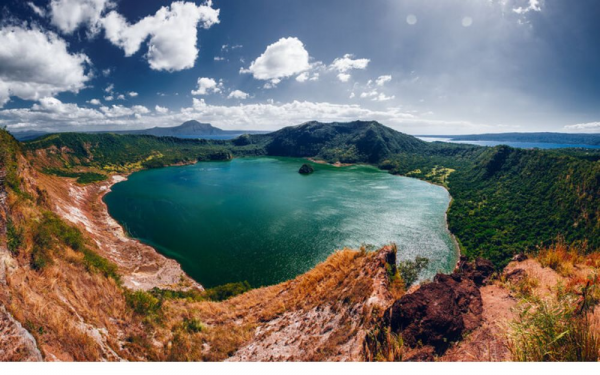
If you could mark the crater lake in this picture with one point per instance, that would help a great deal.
(259, 220)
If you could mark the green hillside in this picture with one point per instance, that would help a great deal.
(505, 200)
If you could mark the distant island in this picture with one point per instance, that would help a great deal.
(545, 137)
(189, 129)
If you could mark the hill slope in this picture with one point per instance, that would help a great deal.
(505, 200)
(352, 142)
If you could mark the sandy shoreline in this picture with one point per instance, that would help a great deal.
(141, 266)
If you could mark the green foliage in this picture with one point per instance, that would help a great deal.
(410, 270)
(218, 293)
(549, 330)
(505, 200)
(192, 325)
(190, 295)
(53, 231)
(143, 303)
(223, 292)
(122, 153)
(82, 177)
(10, 150)
(14, 237)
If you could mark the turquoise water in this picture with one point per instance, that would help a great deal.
(259, 220)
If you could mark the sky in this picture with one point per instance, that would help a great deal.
(418, 66)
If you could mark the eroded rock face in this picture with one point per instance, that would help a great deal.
(440, 312)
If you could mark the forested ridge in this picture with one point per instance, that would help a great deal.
(505, 200)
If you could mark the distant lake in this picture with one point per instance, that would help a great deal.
(258, 219)
(511, 144)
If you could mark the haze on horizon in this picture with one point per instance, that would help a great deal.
(421, 67)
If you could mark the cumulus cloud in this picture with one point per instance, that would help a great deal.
(344, 77)
(207, 86)
(34, 64)
(171, 34)
(282, 59)
(121, 111)
(238, 94)
(348, 62)
(53, 115)
(94, 102)
(133, 94)
(376, 96)
(533, 5)
(109, 98)
(382, 80)
(160, 109)
(69, 15)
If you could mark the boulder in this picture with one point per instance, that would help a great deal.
(440, 312)
(479, 270)
(306, 169)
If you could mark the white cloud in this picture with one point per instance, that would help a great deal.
(383, 98)
(344, 77)
(348, 63)
(140, 109)
(303, 77)
(109, 98)
(237, 94)
(282, 59)
(106, 72)
(94, 102)
(382, 80)
(160, 109)
(584, 126)
(219, 58)
(307, 76)
(121, 97)
(369, 94)
(121, 111)
(34, 64)
(68, 15)
(272, 83)
(37, 10)
(109, 88)
(133, 94)
(533, 5)
(53, 115)
(207, 86)
(172, 34)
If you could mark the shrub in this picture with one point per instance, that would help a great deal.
(193, 325)
(410, 270)
(143, 303)
(223, 292)
(14, 237)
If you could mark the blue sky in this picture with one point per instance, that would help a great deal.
(419, 66)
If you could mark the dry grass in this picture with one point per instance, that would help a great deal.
(558, 323)
(344, 279)
(562, 257)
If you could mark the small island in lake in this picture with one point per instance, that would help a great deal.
(306, 169)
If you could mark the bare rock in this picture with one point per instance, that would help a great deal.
(440, 312)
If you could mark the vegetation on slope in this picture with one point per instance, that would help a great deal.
(557, 314)
(505, 200)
